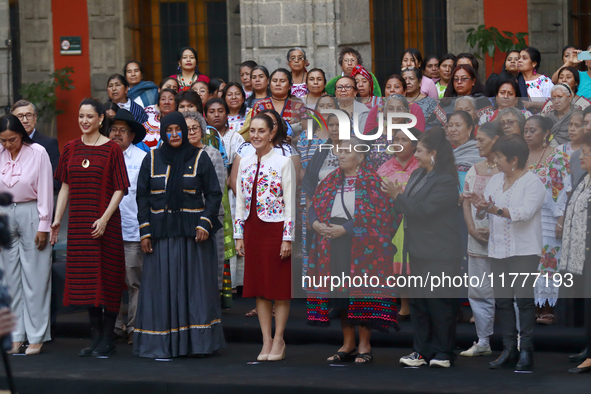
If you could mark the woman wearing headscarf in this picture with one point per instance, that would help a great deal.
(364, 84)
(178, 311)
(353, 228)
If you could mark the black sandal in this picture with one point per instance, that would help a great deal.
(365, 358)
(341, 357)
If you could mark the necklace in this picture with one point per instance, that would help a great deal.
(506, 186)
(190, 82)
(489, 168)
(86, 162)
(539, 160)
(414, 99)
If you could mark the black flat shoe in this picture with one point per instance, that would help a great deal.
(526, 361)
(507, 359)
(342, 357)
(579, 370)
(364, 358)
(579, 357)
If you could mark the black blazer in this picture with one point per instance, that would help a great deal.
(51, 146)
(429, 204)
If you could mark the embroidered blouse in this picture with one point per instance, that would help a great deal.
(152, 126)
(539, 87)
(522, 234)
(275, 192)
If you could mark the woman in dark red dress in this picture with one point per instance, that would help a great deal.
(264, 230)
(94, 179)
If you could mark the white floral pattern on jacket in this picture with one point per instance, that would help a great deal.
(275, 192)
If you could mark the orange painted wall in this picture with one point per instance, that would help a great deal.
(505, 15)
(70, 18)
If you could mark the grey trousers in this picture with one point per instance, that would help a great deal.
(27, 273)
(134, 261)
(481, 297)
(522, 293)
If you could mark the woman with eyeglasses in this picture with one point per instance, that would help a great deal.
(569, 76)
(297, 63)
(346, 91)
(348, 59)
(195, 126)
(464, 83)
(178, 310)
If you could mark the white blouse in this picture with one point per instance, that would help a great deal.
(522, 234)
(275, 192)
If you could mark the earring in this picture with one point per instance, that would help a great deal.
(535, 71)
(178, 68)
(270, 140)
(432, 161)
(512, 168)
(544, 144)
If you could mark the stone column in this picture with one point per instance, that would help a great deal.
(107, 42)
(36, 45)
(462, 15)
(270, 28)
(5, 52)
(548, 31)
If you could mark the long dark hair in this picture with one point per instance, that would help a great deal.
(506, 56)
(535, 55)
(434, 139)
(469, 56)
(281, 135)
(236, 85)
(416, 54)
(287, 74)
(180, 56)
(11, 122)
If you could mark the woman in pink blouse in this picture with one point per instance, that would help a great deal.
(25, 172)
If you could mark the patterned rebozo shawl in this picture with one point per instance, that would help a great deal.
(371, 252)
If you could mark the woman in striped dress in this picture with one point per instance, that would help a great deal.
(94, 180)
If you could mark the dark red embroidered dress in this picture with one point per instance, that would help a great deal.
(95, 268)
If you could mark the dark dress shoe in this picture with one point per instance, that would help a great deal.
(526, 361)
(96, 339)
(105, 348)
(507, 358)
(579, 357)
(580, 370)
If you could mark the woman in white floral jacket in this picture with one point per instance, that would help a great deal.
(264, 230)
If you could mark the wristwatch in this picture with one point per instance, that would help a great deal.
(500, 211)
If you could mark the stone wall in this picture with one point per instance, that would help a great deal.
(548, 31)
(5, 55)
(108, 41)
(36, 45)
(270, 28)
(462, 15)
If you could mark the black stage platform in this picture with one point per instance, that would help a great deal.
(59, 370)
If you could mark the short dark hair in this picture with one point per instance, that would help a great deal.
(447, 56)
(491, 129)
(349, 78)
(467, 118)
(512, 146)
(133, 61)
(248, 63)
(316, 69)
(415, 70)
(397, 77)
(283, 71)
(216, 100)
(262, 68)
(470, 56)
(190, 96)
(11, 122)
(587, 111)
(166, 80)
(353, 52)
(575, 74)
(121, 79)
(162, 91)
(239, 87)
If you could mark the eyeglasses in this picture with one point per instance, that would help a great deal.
(350, 61)
(29, 116)
(202, 91)
(194, 129)
(462, 80)
(397, 109)
(507, 123)
(585, 154)
(344, 88)
(118, 130)
(296, 59)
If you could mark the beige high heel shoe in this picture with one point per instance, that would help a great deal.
(33, 351)
(277, 357)
(16, 347)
